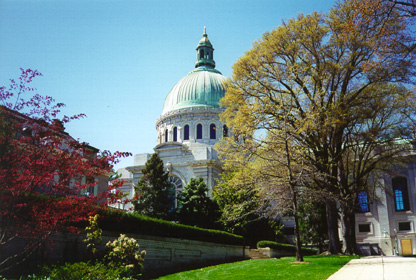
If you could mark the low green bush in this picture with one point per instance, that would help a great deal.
(125, 222)
(30, 277)
(83, 270)
(285, 247)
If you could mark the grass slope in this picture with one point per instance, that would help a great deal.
(314, 268)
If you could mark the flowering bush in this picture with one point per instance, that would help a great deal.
(124, 252)
(93, 234)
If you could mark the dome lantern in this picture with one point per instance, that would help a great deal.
(205, 52)
(203, 87)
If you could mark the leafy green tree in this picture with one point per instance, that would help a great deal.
(238, 201)
(153, 192)
(242, 209)
(339, 83)
(196, 207)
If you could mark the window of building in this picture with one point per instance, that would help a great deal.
(401, 195)
(201, 54)
(166, 135)
(175, 181)
(364, 228)
(175, 134)
(186, 132)
(176, 187)
(404, 226)
(224, 131)
(199, 131)
(90, 186)
(212, 131)
(363, 206)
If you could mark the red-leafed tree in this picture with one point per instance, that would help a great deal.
(45, 174)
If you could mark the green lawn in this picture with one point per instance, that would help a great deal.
(314, 268)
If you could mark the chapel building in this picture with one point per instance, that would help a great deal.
(188, 127)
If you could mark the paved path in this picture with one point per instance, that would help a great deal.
(378, 268)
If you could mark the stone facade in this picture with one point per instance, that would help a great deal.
(388, 227)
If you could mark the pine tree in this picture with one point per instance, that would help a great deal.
(153, 192)
(197, 208)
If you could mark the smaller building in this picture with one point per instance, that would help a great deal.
(387, 225)
(38, 133)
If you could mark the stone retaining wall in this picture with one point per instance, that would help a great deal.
(173, 254)
(164, 255)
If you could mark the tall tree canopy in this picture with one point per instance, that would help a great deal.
(337, 85)
(407, 7)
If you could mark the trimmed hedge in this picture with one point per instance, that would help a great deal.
(285, 247)
(125, 222)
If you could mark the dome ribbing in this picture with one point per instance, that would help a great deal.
(202, 87)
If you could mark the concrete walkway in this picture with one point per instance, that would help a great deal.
(378, 268)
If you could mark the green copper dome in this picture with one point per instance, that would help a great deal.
(202, 87)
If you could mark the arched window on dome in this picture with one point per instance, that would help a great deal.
(186, 132)
(212, 131)
(199, 131)
(201, 54)
(166, 135)
(175, 134)
(224, 131)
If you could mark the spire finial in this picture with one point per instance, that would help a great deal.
(205, 52)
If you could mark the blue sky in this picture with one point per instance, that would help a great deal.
(116, 61)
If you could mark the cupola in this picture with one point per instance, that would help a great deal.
(205, 52)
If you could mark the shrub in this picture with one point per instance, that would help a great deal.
(285, 247)
(93, 234)
(122, 261)
(124, 222)
(82, 270)
(124, 253)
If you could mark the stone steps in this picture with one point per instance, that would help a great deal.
(256, 254)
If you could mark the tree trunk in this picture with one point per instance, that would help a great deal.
(332, 221)
(349, 238)
(299, 256)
